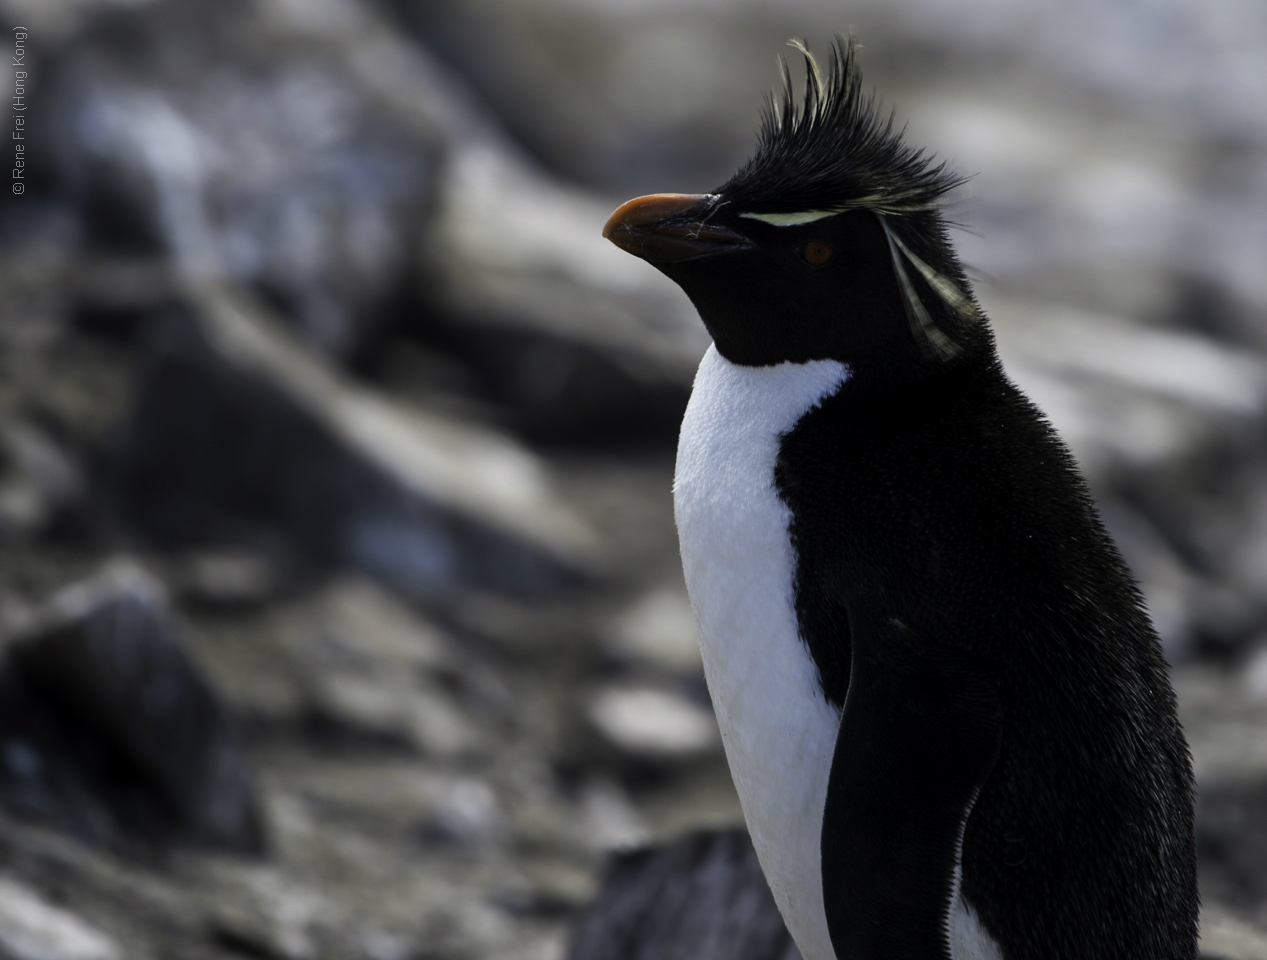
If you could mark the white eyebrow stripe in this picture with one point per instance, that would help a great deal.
(790, 219)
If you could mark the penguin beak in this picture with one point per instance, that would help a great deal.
(671, 227)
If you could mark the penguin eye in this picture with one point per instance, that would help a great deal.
(815, 252)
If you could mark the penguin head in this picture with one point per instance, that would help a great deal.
(827, 244)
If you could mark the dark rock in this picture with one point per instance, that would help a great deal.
(108, 729)
(240, 438)
(550, 388)
(702, 897)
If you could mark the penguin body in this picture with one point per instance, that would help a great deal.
(944, 707)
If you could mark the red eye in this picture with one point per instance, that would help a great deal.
(816, 252)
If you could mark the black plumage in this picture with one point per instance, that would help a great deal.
(966, 518)
(833, 149)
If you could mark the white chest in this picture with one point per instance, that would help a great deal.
(778, 730)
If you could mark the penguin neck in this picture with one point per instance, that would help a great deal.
(880, 363)
(879, 379)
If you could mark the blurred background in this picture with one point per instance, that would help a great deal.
(340, 607)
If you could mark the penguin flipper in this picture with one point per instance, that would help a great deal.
(919, 735)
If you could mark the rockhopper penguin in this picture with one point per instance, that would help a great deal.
(943, 704)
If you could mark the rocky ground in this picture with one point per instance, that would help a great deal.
(340, 611)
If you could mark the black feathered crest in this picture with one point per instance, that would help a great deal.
(831, 152)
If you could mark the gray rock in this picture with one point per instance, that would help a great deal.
(652, 723)
(657, 631)
(373, 668)
(1224, 719)
(609, 818)
(1225, 936)
(109, 729)
(277, 922)
(31, 928)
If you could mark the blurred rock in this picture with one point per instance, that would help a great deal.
(1126, 397)
(375, 630)
(42, 479)
(702, 897)
(591, 108)
(339, 172)
(345, 665)
(239, 438)
(109, 729)
(551, 889)
(611, 821)
(657, 630)
(61, 395)
(226, 138)
(580, 343)
(1224, 722)
(460, 811)
(1255, 671)
(369, 667)
(276, 923)
(406, 712)
(651, 723)
(33, 452)
(226, 579)
(31, 928)
(379, 945)
(22, 509)
(1232, 843)
(1227, 937)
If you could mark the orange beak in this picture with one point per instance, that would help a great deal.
(670, 227)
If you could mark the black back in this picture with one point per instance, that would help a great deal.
(948, 503)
